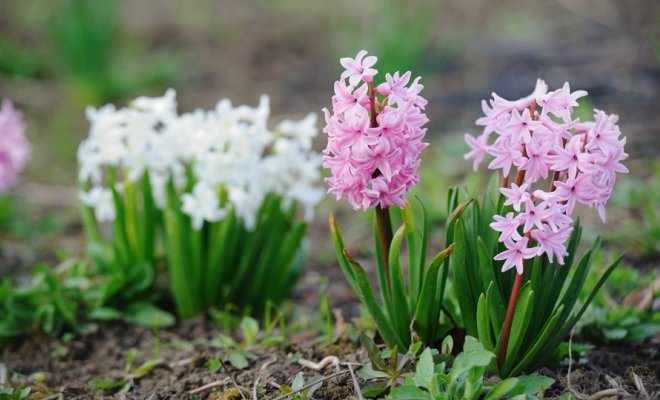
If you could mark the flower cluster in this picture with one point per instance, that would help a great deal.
(14, 147)
(374, 135)
(540, 137)
(227, 149)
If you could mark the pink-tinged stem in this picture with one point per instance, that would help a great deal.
(372, 105)
(555, 178)
(504, 182)
(508, 320)
(513, 300)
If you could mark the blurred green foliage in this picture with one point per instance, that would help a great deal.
(637, 199)
(83, 34)
(609, 320)
(83, 44)
(86, 35)
(21, 220)
(66, 299)
(398, 32)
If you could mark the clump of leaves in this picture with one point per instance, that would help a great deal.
(465, 379)
(432, 374)
(547, 307)
(639, 196)
(407, 307)
(65, 299)
(18, 393)
(126, 379)
(622, 312)
(239, 354)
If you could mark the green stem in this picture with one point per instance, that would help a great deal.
(384, 222)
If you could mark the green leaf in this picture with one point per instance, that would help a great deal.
(485, 265)
(213, 365)
(483, 323)
(108, 385)
(146, 314)
(415, 268)
(459, 265)
(400, 315)
(374, 389)
(426, 314)
(367, 297)
(447, 345)
(147, 367)
(547, 334)
(105, 314)
(368, 373)
(596, 288)
(250, 330)
(521, 320)
(424, 369)
(272, 340)
(338, 241)
(409, 392)
(372, 351)
(381, 271)
(532, 385)
(224, 342)
(502, 389)
(496, 309)
(474, 355)
(238, 360)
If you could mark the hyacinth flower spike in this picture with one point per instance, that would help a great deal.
(536, 140)
(375, 138)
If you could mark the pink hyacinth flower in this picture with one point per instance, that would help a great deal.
(374, 143)
(358, 68)
(14, 147)
(515, 254)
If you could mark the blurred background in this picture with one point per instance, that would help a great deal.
(59, 56)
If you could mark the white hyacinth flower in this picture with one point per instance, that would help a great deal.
(303, 131)
(100, 200)
(202, 205)
(226, 147)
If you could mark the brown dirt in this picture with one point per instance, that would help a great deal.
(184, 349)
(613, 367)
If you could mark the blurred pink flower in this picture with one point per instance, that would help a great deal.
(14, 147)
(479, 149)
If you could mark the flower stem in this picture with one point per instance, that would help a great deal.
(506, 329)
(372, 105)
(504, 182)
(385, 235)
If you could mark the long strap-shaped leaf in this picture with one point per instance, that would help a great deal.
(520, 321)
(428, 308)
(459, 264)
(366, 295)
(400, 314)
(415, 269)
(338, 242)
